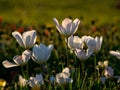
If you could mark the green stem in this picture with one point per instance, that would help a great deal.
(23, 73)
(84, 80)
(27, 71)
(67, 62)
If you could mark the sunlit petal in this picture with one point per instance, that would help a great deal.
(18, 38)
(8, 64)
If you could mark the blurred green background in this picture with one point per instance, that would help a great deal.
(43, 11)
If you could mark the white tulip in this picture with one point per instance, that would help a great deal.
(27, 39)
(83, 54)
(36, 81)
(41, 53)
(64, 77)
(74, 42)
(93, 43)
(68, 27)
(18, 59)
(115, 53)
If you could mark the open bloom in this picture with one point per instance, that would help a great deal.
(27, 39)
(41, 53)
(83, 54)
(68, 27)
(64, 76)
(36, 81)
(93, 43)
(74, 42)
(18, 59)
(115, 53)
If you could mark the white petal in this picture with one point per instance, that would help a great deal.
(59, 28)
(66, 71)
(50, 47)
(91, 44)
(77, 42)
(75, 24)
(65, 22)
(18, 60)
(115, 53)
(8, 64)
(18, 38)
(38, 54)
(26, 55)
(29, 37)
(23, 82)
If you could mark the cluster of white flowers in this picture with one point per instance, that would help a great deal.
(32, 81)
(60, 78)
(83, 47)
(40, 53)
(63, 77)
(107, 71)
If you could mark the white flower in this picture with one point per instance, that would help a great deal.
(68, 27)
(74, 42)
(27, 39)
(36, 81)
(93, 43)
(23, 82)
(41, 53)
(64, 77)
(18, 59)
(115, 53)
(109, 72)
(83, 54)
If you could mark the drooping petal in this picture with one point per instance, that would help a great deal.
(18, 38)
(8, 64)
(26, 55)
(18, 60)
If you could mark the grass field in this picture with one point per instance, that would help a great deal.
(40, 11)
